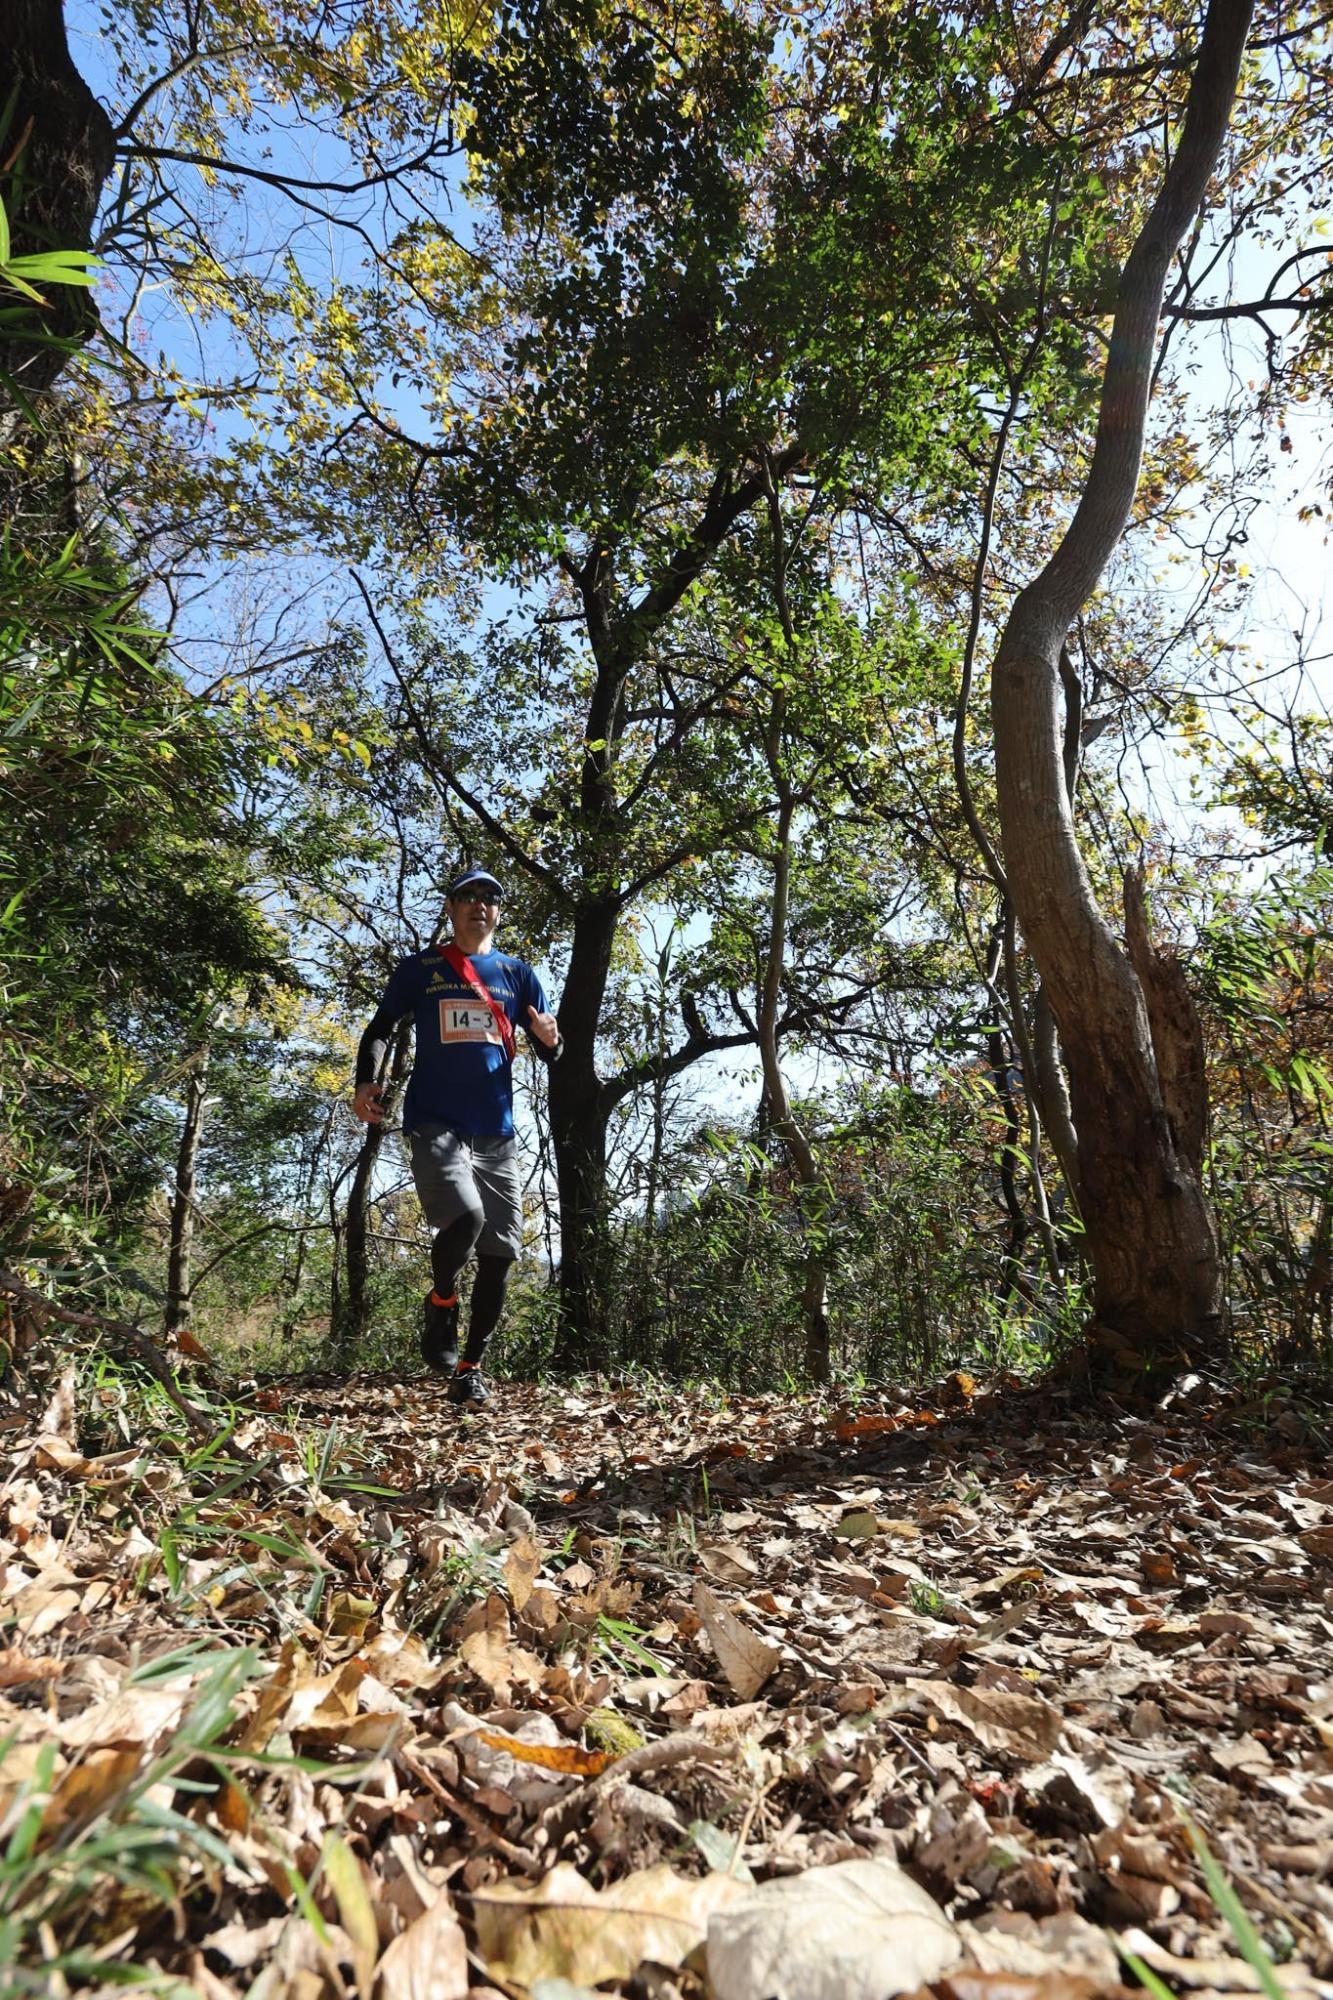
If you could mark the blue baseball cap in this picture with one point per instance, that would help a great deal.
(472, 878)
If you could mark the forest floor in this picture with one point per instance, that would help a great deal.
(668, 1694)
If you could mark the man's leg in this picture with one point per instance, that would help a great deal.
(450, 1251)
(495, 1166)
(488, 1297)
(442, 1170)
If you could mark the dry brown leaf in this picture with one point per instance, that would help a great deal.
(1247, 1754)
(497, 1661)
(135, 1717)
(1085, 1783)
(523, 1559)
(18, 1670)
(429, 1960)
(728, 1562)
(860, 1930)
(852, 1428)
(1013, 1941)
(38, 1609)
(59, 1420)
(1159, 1568)
(188, 1344)
(745, 1658)
(562, 1928)
(1023, 1724)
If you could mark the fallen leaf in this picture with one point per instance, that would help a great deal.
(59, 1420)
(729, 1562)
(852, 1428)
(563, 1928)
(1021, 1723)
(523, 1559)
(429, 1960)
(1084, 1783)
(860, 1930)
(861, 1525)
(1013, 1941)
(968, 1983)
(18, 1670)
(567, 1757)
(745, 1658)
(499, 1663)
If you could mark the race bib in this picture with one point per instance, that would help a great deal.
(468, 1021)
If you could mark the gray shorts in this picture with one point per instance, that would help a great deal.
(459, 1176)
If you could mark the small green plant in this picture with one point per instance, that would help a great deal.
(51, 1881)
(926, 1601)
(622, 1646)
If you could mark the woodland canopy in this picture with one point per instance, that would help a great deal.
(828, 501)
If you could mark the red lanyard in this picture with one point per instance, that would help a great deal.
(465, 969)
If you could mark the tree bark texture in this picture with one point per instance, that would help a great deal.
(579, 1114)
(1150, 1234)
(55, 155)
(181, 1237)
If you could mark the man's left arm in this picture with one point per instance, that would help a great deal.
(539, 1023)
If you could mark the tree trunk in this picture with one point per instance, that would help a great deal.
(55, 155)
(354, 1303)
(800, 1154)
(579, 1112)
(1150, 1234)
(181, 1237)
(810, 1198)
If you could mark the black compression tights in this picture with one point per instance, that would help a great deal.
(488, 1297)
(452, 1248)
(449, 1252)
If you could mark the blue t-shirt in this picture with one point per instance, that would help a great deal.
(462, 1076)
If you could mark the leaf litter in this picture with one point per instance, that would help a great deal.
(730, 1696)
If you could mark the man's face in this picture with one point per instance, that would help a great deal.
(473, 915)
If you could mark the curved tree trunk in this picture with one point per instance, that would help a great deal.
(1150, 1233)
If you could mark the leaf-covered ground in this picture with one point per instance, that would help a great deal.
(667, 1694)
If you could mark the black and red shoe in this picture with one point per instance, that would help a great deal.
(468, 1389)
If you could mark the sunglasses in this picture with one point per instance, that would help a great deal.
(477, 895)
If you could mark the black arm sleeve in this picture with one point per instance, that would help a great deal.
(374, 1044)
(548, 1056)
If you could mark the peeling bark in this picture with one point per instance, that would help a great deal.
(1173, 1020)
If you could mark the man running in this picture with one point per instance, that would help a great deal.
(467, 999)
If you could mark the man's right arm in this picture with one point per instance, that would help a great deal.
(371, 1050)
